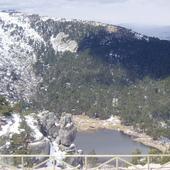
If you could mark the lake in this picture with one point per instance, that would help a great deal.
(108, 142)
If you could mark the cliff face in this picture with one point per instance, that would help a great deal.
(82, 66)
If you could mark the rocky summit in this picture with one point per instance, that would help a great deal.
(77, 67)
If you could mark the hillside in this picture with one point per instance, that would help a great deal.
(83, 66)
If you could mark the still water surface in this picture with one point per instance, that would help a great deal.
(108, 142)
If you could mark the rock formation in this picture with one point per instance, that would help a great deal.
(67, 132)
(35, 134)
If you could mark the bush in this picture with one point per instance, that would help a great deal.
(5, 108)
(136, 160)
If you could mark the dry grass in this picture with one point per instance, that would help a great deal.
(84, 123)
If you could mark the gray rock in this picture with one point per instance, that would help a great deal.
(67, 132)
(77, 161)
(41, 147)
(49, 122)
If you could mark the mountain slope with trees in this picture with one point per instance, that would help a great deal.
(82, 66)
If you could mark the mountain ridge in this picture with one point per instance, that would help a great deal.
(75, 67)
(25, 22)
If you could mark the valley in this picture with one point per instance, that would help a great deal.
(58, 76)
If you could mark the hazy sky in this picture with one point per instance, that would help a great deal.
(149, 12)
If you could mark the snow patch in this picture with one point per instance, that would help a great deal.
(141, 37)
(115, 120)
(46, 18)
(33, 124)
(55, 151)
(12, 125)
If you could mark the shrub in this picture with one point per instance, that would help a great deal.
(5, 108)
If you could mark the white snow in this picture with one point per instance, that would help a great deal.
(33, 124)
(12, 125)
(59, 155)
(57, 124)
(45, 18)
(115, 120)
(69, 125)
(17, 56)
(141, 36)
(55, 151)
(21, 20)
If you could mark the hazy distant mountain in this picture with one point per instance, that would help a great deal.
(162, 32)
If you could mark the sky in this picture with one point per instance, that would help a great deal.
(143, 12)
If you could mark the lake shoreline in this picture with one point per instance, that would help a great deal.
(85, 123)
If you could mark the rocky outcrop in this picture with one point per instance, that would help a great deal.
(67, 132)
(41, 147)
(21, 135)
(58, 129)
(49, 124)
(20, 130)
(36, 134)
(62, 43)
(61, 132)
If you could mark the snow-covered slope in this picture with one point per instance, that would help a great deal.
(17, 56)
(21, 43)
